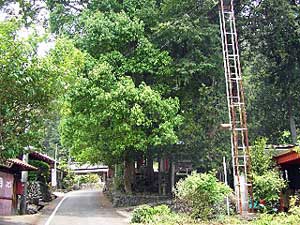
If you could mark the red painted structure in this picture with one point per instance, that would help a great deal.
(10, 184)
(288, 160)
(6, 193)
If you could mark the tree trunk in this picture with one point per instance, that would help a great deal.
(149, 169)
(128, 175)
(159, 176)
(293, 130)
(292, 123)
(172, 176)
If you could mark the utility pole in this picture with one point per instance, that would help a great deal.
(226, 182)
(54, 170)
(24, 179)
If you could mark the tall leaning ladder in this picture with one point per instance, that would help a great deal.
(236, 105)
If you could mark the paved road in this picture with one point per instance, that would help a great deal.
(86, 208)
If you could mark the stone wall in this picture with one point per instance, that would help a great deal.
(124, 200)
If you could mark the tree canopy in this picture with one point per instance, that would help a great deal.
(27, 90)
(108, 118)
(167, 56)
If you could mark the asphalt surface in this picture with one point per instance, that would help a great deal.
(85, 208)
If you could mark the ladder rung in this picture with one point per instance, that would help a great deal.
(240, 165)
(233, 56)
(247, 184)
(236, 78)
(241, 156)
(237, 103)
(228, 12)
(231, 33)
(240, 128)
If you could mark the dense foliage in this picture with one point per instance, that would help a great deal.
(263, 219)
(267, 183)
(145, 213)
(43, 173)
(87, 179)
(145, 216)
(113, 117)
(203, 193)
(149, 49)
(270, 34)
(27, 90)
(145, 78)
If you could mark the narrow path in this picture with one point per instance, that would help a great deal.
(85, 208)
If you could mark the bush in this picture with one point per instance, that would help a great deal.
(184, 219)
(146, 213)
(267, 182)
(268, 187)
(173, 219)
(203, 193)
(69, 181)
(87, 179)
(277, 219)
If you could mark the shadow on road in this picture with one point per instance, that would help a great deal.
(9, 222)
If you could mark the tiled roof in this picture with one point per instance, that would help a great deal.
(23, 165)
(42, 157)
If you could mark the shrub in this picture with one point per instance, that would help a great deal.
(277, 219)
(203, 193)
(184, 219)
(261, 159)
(146, 213)
(87, 179)
(69, 181)
(267, 183)
(173, 219)
(267, 187)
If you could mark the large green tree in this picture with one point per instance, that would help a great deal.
(107, 118)
(176, 52)
(270, 37)
(189, 31)
(172, 46)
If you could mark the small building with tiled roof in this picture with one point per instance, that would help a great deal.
(57, 174)
(287, 155)
(42, 157)
(11, 185)
(287, 158)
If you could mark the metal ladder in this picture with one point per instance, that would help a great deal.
(236, 105)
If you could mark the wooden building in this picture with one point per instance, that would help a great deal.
(11, 187)
(288, 159)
